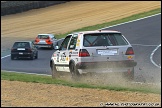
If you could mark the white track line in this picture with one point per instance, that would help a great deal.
(151, 56)
(5, 56)
(26, 73)
(145, 83)
(131, 21)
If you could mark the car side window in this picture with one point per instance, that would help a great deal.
(73, 42)
(65, 43)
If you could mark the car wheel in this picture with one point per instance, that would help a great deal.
(74, 71)
(55, 73)
(36, 57)
(12, 57)
(52, 47)
(32, 57)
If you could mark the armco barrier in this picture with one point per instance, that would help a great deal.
(12, 7)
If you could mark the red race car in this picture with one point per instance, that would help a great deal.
(46, 41)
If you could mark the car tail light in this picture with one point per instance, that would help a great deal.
(129, 51)
(37, 39)
(83, 53)
(13, 49)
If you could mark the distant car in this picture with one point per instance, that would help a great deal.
(100, 51)
(45, 41)
(24, 49)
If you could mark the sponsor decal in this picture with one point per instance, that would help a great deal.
(77, 44)
(57, 57)
(63, 57)
(67, 58)
(74, 52)
(78, 40)
(129, 57)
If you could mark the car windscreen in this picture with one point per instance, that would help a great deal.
(21, 45)
(43, 36)
(104, 39)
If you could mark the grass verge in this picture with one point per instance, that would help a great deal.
(48, 80)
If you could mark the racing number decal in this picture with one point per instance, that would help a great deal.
(57, 58)
(63, 57)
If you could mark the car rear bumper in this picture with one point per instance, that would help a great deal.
(108, 64)
(23, 54)
(43, 45)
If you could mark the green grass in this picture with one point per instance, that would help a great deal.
(99, 26)
(48, 80)
(11, 76)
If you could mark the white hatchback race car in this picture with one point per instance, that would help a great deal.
(99, 51)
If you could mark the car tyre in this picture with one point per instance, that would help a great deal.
(55, 73)
(52, 47)
(32, 57)
(36, 57)
(12, 57)
(74, 71)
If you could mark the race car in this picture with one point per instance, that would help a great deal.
(24, 49)
(100, 51)
(45, 41)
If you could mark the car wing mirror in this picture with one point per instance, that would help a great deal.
(57, 47)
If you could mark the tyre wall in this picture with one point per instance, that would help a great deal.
(12, 7)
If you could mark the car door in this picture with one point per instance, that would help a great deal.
(72, 51)
(62, 54)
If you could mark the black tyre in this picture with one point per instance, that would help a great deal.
(36, 57)
(55, 73)
(12, 57)
(52, 47)
(74, 71)
(32, 57)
